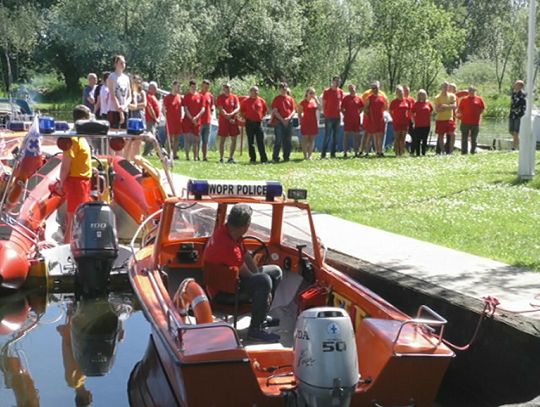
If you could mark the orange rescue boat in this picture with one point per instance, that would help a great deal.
(341, 344)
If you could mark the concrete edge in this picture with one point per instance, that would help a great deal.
(355, 267)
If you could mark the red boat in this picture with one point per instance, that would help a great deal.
(340, 343)
(133, 189)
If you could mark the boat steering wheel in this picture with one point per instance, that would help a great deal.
(260, 258)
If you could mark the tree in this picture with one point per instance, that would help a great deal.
(17, 38)
(415, 38)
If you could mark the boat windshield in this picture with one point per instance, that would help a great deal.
(261, 221)
(193, 220)
(296, 229)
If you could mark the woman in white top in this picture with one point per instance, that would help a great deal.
(119, 94)
(101, 108)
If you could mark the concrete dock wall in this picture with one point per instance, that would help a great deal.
(501, 367)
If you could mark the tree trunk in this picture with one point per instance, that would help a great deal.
(8, 78)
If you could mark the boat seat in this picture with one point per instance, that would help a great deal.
(222, 284)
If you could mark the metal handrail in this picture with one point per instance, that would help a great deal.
(138, 231)
(28, 233)
(179, 325)
(437, 321)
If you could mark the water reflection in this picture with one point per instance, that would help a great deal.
(57, 350)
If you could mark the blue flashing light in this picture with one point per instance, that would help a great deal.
(135, 126)
(46, 125)
(268, 190)
(61, 126)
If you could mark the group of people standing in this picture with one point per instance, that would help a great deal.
(189, 115)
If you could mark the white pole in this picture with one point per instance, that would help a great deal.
(527, 139)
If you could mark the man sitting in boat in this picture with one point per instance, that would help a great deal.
(225, 247)
(75, 172)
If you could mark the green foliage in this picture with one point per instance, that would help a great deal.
(415, 53)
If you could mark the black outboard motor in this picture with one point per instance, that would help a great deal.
(95, 331)
(94, 246)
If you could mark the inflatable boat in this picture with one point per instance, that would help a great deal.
(124, 193)
(340, 344)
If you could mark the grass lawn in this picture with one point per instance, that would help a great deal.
(469, 203)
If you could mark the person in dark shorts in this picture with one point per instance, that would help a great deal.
(517, 111)
(119, 94)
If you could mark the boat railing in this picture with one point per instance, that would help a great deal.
(24, 230)
(429, 320)
(139, 230)
(175, 326)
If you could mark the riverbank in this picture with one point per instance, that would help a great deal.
(469, 203)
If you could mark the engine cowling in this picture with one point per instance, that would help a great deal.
(325, 357)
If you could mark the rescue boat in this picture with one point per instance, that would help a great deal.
(340, 343)
(30, 206)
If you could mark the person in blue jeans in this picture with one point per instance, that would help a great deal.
(283, 107)
(331, 107)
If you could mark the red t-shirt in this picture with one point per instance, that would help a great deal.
(400, 111)
(377, 105)
(471, 108)
(351, 107)
(173, 113)
(223, 249)
(285, 106)
(309, 125)
(208, 104)
(152, 103)
(194, 102)
(421, 112)
(410, 100)
(254, 109)
(332, 103)
(228, 104)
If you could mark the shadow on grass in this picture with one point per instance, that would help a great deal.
(515, 181)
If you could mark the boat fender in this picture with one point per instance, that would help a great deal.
(189, 293)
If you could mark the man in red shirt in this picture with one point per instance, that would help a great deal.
(351, 107)
(225, 247)
(206, 118)
(194, 109)
(172, 106)
(331, 106)
(151, 114)
(470, 111)
(253, 109)
(228, 106)
(283, 107)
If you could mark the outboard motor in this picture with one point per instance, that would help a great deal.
(94, 246)
(325, 358)
(95, 331)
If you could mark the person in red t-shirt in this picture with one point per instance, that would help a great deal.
(376, 105)
(331, 106)
(172, 106)
(225, 248)
(228, 106)
(206, 118)
(283, 108)
(152, 114)
(351, 107)
(407, 96)
(194, 108)
(400, 110)
(421, 116)
(309, 122)
(253, 109)
(470, 111)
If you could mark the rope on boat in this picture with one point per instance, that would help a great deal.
(490, 306)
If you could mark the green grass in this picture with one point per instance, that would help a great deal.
(471, 203)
